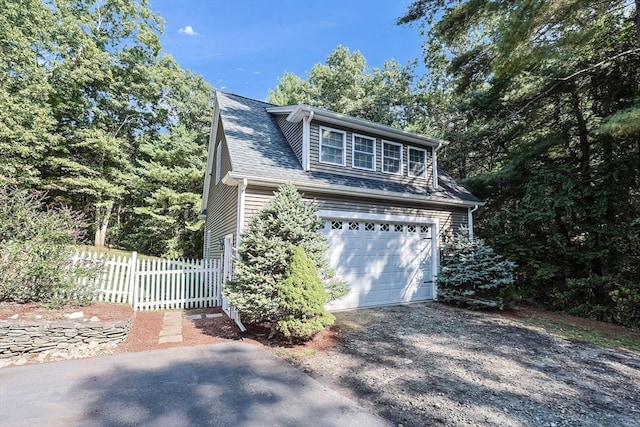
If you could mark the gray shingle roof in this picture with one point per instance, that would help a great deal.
(258, 147)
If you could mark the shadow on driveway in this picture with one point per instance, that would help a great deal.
(227, 384)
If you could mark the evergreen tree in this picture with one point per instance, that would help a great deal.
(472, 275)
(302, 299)
(265, 252)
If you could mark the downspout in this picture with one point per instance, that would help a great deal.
(306, 141)
(435, 166)
(470, 220)
(242, 187)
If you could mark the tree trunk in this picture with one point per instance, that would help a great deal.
(103, 212)
(583, 133)
(638, 21)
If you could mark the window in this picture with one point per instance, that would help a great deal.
(364, 152)
(417, 162)
(384, 227)
(353, 226)
(391, 157)
(218, 161)
(332, 144)
(336, 225)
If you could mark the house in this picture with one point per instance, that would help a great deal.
(385, 204)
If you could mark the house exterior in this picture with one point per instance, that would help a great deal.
(386, 206)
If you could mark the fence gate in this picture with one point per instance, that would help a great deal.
(157, 284)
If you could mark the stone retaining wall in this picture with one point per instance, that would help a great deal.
(18, 337)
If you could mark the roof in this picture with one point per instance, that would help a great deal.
(260, 153)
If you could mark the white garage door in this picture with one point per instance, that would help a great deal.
(381, 262)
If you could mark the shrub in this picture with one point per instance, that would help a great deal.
(611, 299)
(265, 252)
(472, 275)
(36, 254)
(302, 299)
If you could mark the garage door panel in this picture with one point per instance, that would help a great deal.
(381, 267)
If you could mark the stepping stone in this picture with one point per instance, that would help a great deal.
(214, 315)
(170, 338)
(195, 317)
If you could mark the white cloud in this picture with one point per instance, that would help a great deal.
(188, 30)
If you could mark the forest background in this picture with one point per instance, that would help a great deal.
(540, 100)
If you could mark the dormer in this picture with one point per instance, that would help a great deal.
(325, 141)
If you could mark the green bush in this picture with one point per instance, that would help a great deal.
(265, 252)
(610, 299)
(472, 275)
(36, 252)
(302, 299)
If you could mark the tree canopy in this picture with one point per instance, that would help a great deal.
(546, 98)
(89, 103)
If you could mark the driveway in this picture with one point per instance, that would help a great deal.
(435, 365)
(227, 384)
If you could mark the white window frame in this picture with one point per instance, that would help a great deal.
(218, 161)
(344, 145)
(409, 169)
(353, 152)
(401, 157)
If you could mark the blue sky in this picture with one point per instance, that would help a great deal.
(244, 46)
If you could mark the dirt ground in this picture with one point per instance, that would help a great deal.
(430, 364)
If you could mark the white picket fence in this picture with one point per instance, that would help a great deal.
(156, 284)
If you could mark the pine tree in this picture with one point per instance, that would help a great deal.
(473, 275)
(302, 299)
(265, 253)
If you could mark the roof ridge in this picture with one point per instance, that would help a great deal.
(245, 97)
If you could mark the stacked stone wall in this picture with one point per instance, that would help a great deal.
(19, 337)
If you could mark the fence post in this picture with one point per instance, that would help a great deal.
(131, 283)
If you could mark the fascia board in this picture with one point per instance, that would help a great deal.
(210, 155)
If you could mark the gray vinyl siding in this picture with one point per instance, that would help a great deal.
(222, 203)
(349, 170)
(450, 219)
(292, 132)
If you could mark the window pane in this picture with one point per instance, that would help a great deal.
(391, 158)
(332, 147)
(364, 161)
(417, 162)
(363, 152)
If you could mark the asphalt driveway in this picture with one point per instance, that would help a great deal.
(227, 384)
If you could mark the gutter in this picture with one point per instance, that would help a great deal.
(234, 178)
(470, 220)
(435, 165)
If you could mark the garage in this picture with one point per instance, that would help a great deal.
(383, 261)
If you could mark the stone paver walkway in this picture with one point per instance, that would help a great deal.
(171, 327)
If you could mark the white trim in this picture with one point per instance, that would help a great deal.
(435, 165)
(364, 216)
(218, 161)
(241, 203)
(344, 145)
(297, 113)
(401, 157)
(306, 142)
(353, 151)
(210, 151)
(470, 220)
(233, 178)
(435, 262)
(409, 174)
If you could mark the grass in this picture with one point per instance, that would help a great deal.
(112, 252)
(628, 340)
(294, 356)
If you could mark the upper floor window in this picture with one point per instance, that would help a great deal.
(218, 161)
(364, 152)
(332, 146)
(417, 162)
(391, 157)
